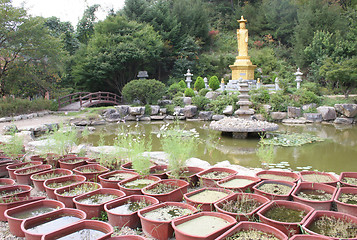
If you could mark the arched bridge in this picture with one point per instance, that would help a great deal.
(78, 100)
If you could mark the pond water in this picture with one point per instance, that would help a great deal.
(336, 154)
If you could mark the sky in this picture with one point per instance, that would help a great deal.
(67, 10)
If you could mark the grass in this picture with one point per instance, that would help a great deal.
(327, 101)
(17, 106)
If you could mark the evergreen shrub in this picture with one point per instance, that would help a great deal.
(213, 83)
(189, 92)
(199, 84)
(147, 91)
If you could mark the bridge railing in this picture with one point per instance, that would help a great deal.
(100, 97)
(70, 98)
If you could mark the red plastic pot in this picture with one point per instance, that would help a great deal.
(4, 182)
(238, 187)
(346, 207)
(53, 159)
(242, 216)
(190, 175)
(15, 223)
(333, 181)
(159, 171)
(289, 228)
(272, 196)
(106, 183)
(96, 170)
(279, 175)
(23, 176)
(207, 231)
(161, 230)
(207, 204)
(308, 237)
(136, 191)
(11, 202)
(212, 182)
(131, 220)
(51, 191)
(38, 183)
(29, 223)
(68, 200)
(94, 210)
(349, 175)
(13, 167)
(318, 205)
(127, 237)
(9, 191)
(103, 227)
(127, 167)
(243, 226)
(38, 158)
(172, 196)
(72, 162)
(3, 165)
(318, 214)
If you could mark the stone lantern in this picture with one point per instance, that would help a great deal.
(206, 82)
(298, 79)
(188, 76)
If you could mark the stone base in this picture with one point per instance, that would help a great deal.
(244, 72)
(240, 135)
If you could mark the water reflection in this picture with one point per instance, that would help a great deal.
(337, 153)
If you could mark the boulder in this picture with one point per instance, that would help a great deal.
(155, 109)
(267, 107)
(134, 111)
(187, 100)
(217, 117)
(190, 111)
(294, 121)
(26, 136)
(259, 117)
(196, 162)
(17, 118)
(163, 110)
(205, 115)
(228, 110)
(130, 118)
(9, 129)
(6, 119)
(343, 120)
(164, 102)
(123, 110)
(158, 117)
(113, 117)
(169, 117)
(145, 118)
(313, 117)
(97, 122)
(178, 111)
(278, 116)
(109, 112)
(212, 95)
(328, 113)
(294, 112)
(348, 110)
(306, 107)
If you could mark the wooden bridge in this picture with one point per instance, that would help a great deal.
(78, 100)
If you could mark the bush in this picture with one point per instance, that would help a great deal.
(260, 95)
(199, 84)
(201, 102)
(222, 101)
(182, 84)
(302, 97)
(17, 106)
(147, 109)
(147, 91)
(174, 89)
(279, 102)
(213, 83)
(170, 109)
(312, 87)
(189, 92)
(203, 92)
(177, 101)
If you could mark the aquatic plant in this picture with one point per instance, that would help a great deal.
(287, 139)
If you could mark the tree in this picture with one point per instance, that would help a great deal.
(199, 83)
(85, 27)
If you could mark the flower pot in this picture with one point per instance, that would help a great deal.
(310, 187)
(66, 180)
(111, 179)
(53, 159)
(159, 171)
(346, 206)
(238, 183)
(174, 195)
(4, 163)
(15, 216)
(245, 226)
(255, 201)
(205, 198)
(278, 175)
(217, 174)
(11, 202)
(82, 230)
(91, 171)
(123, 217)
(189, 174)
(23, 176)
(71, 163)
(39, 178)
(319, 177)
(95, 209)
(64, 194)
(15, 191)
(287, 209)
(127, 167)
(4, 182)
(38, 158)
(348, 179)
(161, 229)
(308, 237)
(318, 215)
(274, 189)
(34, 228)
(132, 190)
(202, 226)
(13, 167)
(128, 237)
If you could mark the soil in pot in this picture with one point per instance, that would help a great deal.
(242, 205)
(216, 175)
(81, 189)
(284, 214)
(60, 184)
(348, 198)
(7, 193)
(32, 212)
(317, 178)
(208, 196)
(167, 213)
(87, 234)
(120, 176)
(237, 183)
(252, 234)
(275, 188)
(349, 180)
(130, 207)
(138, 183)
(98, 199)
(52, 224)
(276, 177)
(334, 227)
(314, 195)
(48, 176)
(161, 188)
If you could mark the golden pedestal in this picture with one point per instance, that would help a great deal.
(243, 68)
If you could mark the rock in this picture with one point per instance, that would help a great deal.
(212, 95)
(278, 116)
(169, 117)
(17, 118)
(134, 111)
(101, 149)
(109, 112)
(228, 110)
(313, 117)
(113, 117)
(196, 162)
(123, 110)
(328, 113)
(259, 117)
(51, 126)
(348, 110)
(158, 157)
(267, 108)
(6, 119)
(178, 111)
(9, 129)
(241, 125)
(294, 121)
(82, 123)
(205, 115)
(97, 122)
(223, 164)
(187, 100)
(190, 111)
(163, 110)
(145, 119)
(130, 118)
(217, 117)
(155, 109)
(27, 136)
(306, 107)
(158, 117)
(343, 120)
(294, 112)
(164, 102)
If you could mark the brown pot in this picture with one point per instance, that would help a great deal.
(346, 207)
(333, 180)
(278, 175)
(13, 167)
(71, 163)
(212, 182)
(38, 183)
(175, 195)
(106, 183)
(50, 191)
(92, 176)
(9, 191)
(11, 202)
(248, 183)
(23, 176)
(135, 191)
(349, 175)
(190, 175)
(273, 196)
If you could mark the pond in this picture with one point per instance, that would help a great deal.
(336, 154)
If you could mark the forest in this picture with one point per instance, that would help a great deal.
(167, 37)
